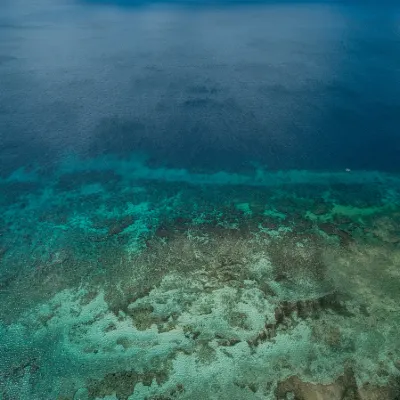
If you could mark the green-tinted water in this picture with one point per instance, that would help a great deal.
(185, 286)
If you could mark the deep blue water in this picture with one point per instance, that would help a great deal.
(284, 85)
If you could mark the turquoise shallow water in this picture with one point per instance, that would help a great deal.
(123, 281)
(199, 202)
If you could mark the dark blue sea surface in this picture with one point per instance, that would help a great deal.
(218, 87)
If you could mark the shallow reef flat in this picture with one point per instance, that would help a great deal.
(118, 281)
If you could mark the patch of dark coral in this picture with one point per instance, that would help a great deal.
(344, 236)
(294, 254)
(170, 395)
(343, 388)
(310, 308)
(248, 385)
(228, 342)
(56, 215)
(118, 225)
(321, 207)
(143, 317)
(122, 302)
(287, 205)
(73, 180)
(6, 278)
(268, 333)
(14, 193)
(165, 232)
(113, 226)
(302, 225)
(123, 383)
(17, 372)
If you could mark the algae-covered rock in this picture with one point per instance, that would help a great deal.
(81, 394)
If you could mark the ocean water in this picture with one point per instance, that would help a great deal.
(199, 200)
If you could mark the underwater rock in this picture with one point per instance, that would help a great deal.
(143, 317)
(182, 223)
(123, 383)
(332, 229)
(338, 390)
(303, 225)
(170, 395)
(81, 394)
(310, 308)
(328, 228)
(164, 232)
(321, 207)
(293, 255)
(343, 388)
(344, 237)
(118, 225)
(268, 333)
(287, 204)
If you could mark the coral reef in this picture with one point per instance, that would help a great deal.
(160, 285)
